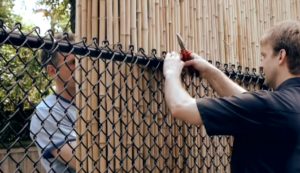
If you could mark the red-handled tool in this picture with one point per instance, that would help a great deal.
(186, 55)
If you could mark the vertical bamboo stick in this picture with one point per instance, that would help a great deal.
(78, 20)
(120, 117)
(102, 94)
(111, 114)
(147, 138)
(210, 29)
(110, 22)
(83, 141)
(151, 24)
(130, 83)
(127, 24)
(221, 32)
(248, 34)
(102, 27)
(147, 131)
(176, 26)
(94, 93)
(158, 24)
(116, 22)
(145, 29)
(79, 96)
(89, 112)
(139, 24)
(163, 26)
(116, 81)
(197, 28)
(193, 29)
(123, 22)
(133, 25)
(172, 27)
(168, 23)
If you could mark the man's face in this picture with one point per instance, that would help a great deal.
(269, 62)
(66, 72)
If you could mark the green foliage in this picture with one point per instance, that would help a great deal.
(58, 11)
(22, 82)
(22, 79)
(5, 13)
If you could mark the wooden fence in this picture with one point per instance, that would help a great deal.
(20, 160)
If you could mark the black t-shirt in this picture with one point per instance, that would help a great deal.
(265, 126)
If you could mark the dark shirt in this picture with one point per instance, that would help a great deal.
(265, 126)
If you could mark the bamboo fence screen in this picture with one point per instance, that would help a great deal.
(220, 30)
(120, 104)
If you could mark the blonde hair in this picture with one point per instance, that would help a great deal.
(285, 35)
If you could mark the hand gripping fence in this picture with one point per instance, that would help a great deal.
(122, 123)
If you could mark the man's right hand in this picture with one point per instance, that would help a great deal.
(200, 64)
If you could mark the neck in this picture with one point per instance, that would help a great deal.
(283, 77)
(66, 93)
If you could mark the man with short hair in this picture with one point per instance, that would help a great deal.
(265, 124)
(53, 122)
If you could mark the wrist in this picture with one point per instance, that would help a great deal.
(209, 72)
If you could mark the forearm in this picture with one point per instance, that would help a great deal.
(223, 85)
(174, 92)
(179, 102)
(66, 154)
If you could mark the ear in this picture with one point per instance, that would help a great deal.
(282, 57)
(51, 70)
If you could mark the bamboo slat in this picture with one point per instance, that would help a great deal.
(79, 96)
(102, 93)
(94, 67)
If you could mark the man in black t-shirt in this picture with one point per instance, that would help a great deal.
(265, 124)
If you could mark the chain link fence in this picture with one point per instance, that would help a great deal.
(122, 123)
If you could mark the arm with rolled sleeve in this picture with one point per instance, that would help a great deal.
(179, 102)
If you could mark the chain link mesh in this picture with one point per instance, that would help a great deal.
(123, 124)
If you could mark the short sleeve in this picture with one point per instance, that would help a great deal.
(240, 114)
(50, 130)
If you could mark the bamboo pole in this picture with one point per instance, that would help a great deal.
(197, 26)
(172, 27)
(110, 22)
(145, 28)
(158, 25)
(102, 27)
(103, 115)
(79, 96)
(133, 25)
(116, 22)
(177, 21)
(147, 138)
(123, 22)
(139, 24)
(130, 102)
(94, 94)
(89, 87)
(83, 141)
(151, 24)
(127, 25)
(221, 32)
(146, 43)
